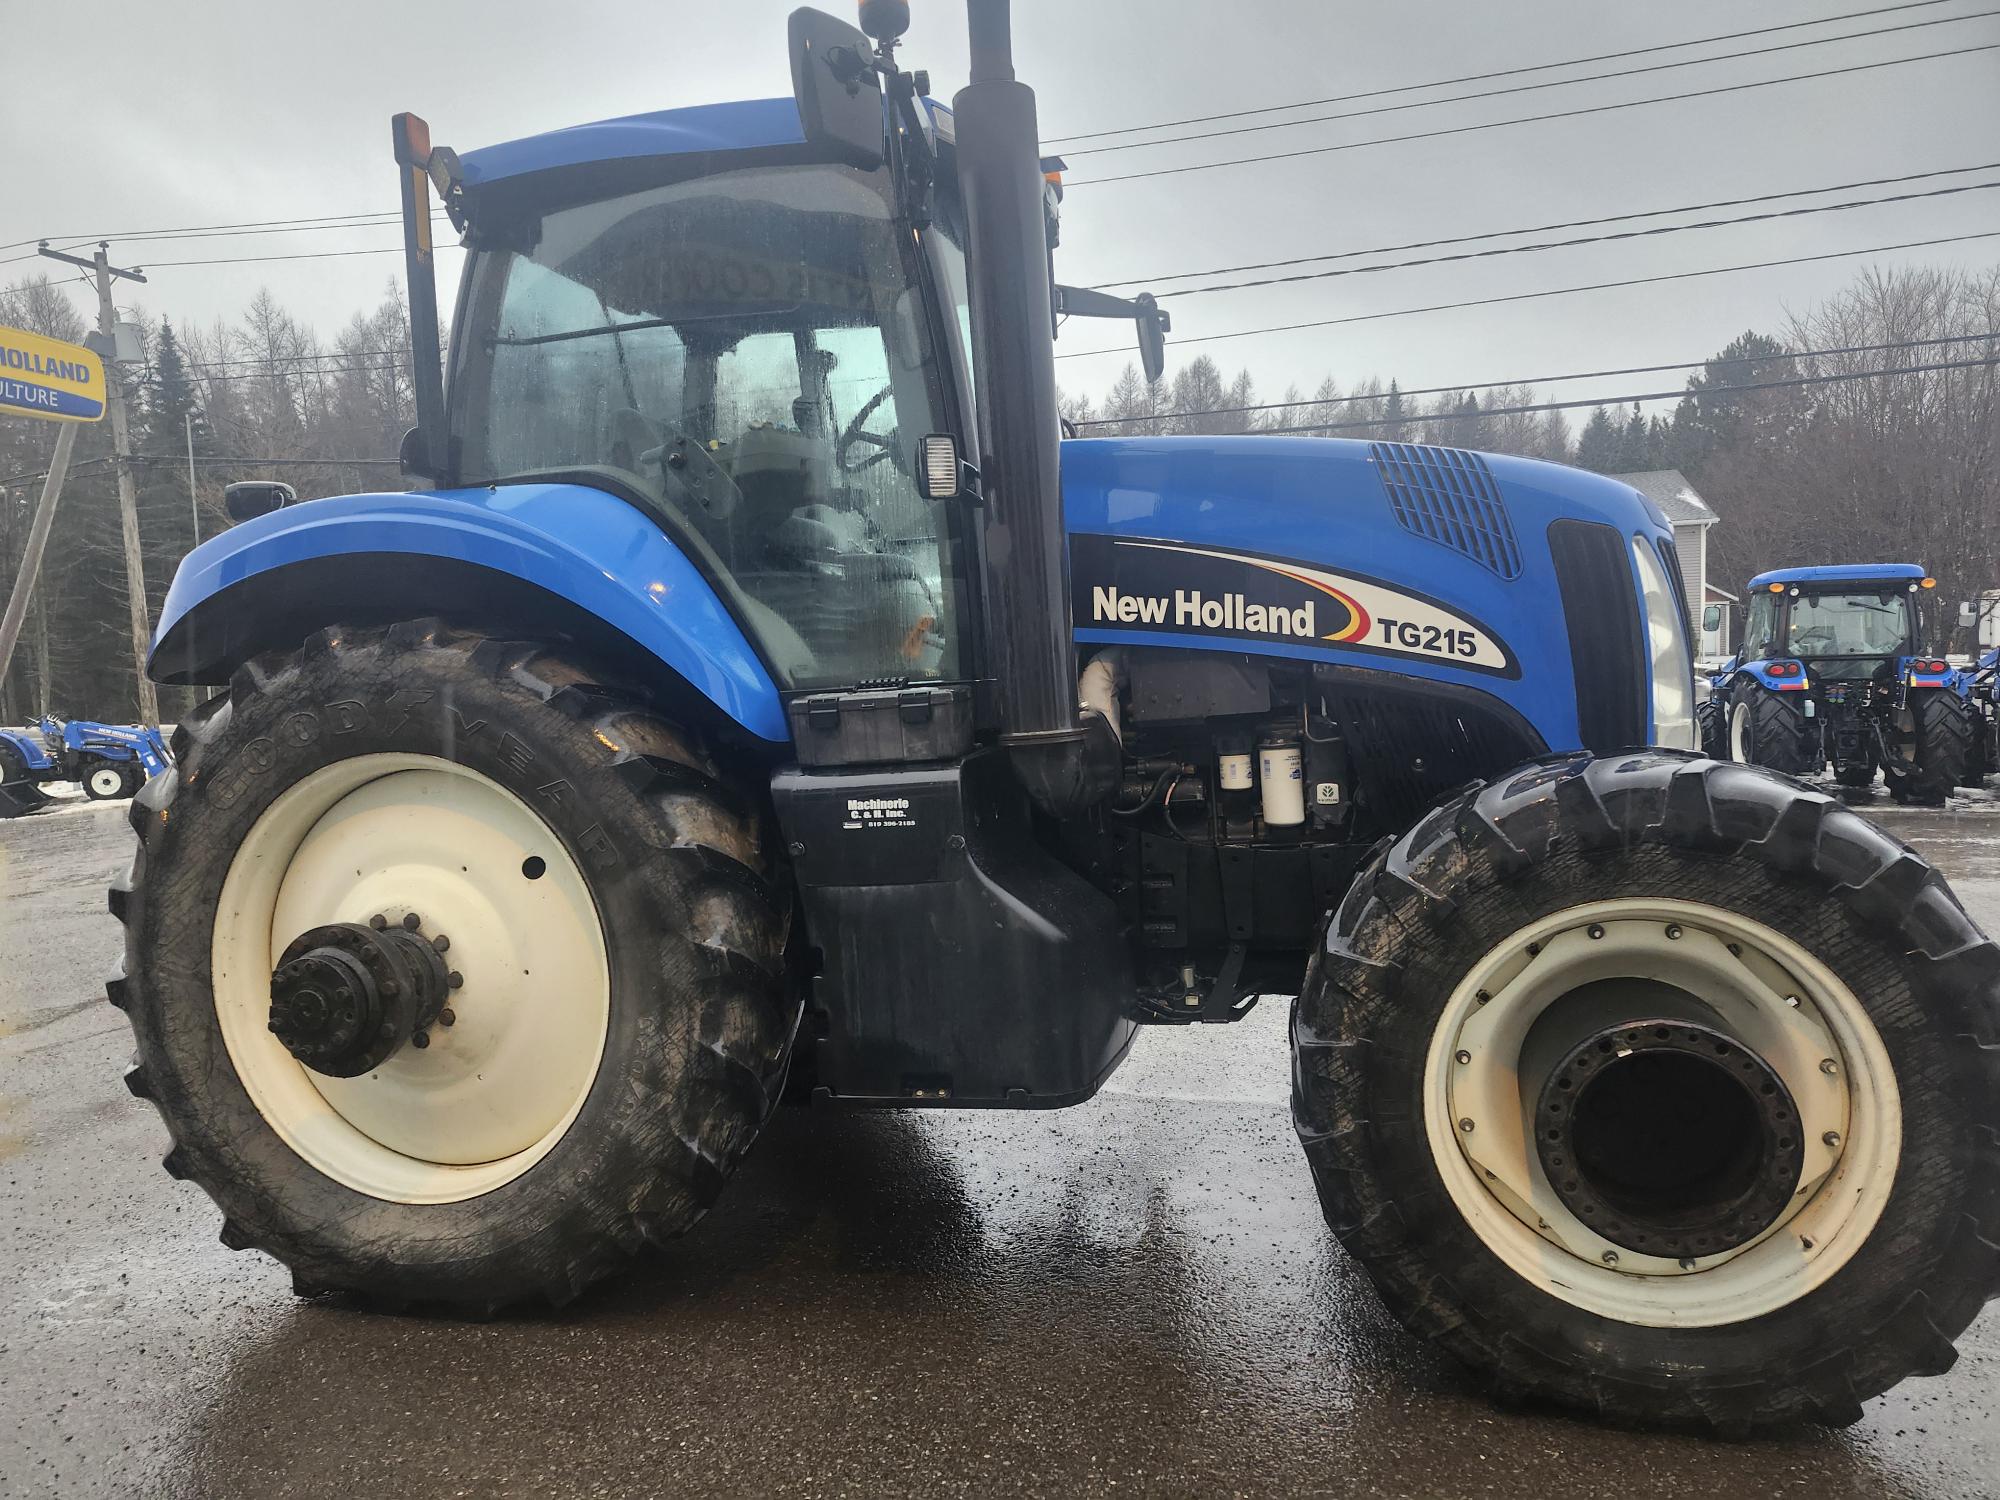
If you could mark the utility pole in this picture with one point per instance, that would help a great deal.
(194, 499)
(38, 539)
(121, 441)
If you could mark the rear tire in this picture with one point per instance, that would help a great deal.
(1711, 722)
(1945, 732)
(1756, 854)
(672, 868)
(1771, 729)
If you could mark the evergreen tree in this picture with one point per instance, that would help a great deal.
(1636, 454)
(1601, 448)
(171, 401)
(1394, 425)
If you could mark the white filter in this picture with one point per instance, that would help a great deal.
(1281, 769)
(1235, 772)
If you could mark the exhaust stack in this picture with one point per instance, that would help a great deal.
(1066, 761)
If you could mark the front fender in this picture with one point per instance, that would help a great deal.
(570, 550)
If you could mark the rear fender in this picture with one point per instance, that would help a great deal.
(1789, 675)
(563, 559)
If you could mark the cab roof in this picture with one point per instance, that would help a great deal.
(1841, 573)
(741, 125)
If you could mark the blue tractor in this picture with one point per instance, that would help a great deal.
(1833, 670)
(106, 760)
(761, 701)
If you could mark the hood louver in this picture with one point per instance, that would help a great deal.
(1448, 495)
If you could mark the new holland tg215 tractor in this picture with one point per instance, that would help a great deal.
(1833, 671)
(764, 701)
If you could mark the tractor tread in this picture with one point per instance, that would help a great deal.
(1351, 1029)
(706, 847)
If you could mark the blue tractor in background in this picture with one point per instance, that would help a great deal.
(106, 760)
(1833, 670)
(761, 701)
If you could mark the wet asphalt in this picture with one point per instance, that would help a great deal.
(1133, 1297)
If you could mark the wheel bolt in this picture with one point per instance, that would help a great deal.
(411, 921)
(1596, 931)
(378, 921)
(421, 1040)
(455, 979)
(441, 943)
(1609, 1257)
(1828, 1066)
(1673, 932)
(1687, 1263)
(1466, 1126)
(1482, 997)
(447, 1017)
(1832, 1138)
(1463, 1056)
(1792, 1001)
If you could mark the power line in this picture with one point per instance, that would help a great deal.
(1561, 291)
(1528, 88)
(1464, 239)
(1588, 239)
(1562, 114)
(1466, 387)
(390, 215)
(1714, 390)
(1436, 83)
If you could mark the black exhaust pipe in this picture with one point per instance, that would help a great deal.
(1065, 763)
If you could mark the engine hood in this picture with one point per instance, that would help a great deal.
(1429, 562)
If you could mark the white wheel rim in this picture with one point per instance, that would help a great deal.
(494, 1091)
(106, 782)
(1850, 1115)
(1739, 733)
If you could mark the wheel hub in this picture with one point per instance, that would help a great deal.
(1669, 1138)
(345, 997)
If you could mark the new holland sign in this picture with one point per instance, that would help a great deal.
(47, 378)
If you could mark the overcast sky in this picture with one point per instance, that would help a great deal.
(125, 115)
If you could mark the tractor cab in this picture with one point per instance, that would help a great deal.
(1846, 624)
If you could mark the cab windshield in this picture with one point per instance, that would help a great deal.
(750, 356)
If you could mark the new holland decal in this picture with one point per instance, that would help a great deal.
(1133, 583)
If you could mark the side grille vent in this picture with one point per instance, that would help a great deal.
(1448, 495)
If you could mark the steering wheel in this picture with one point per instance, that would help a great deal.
(886, 447)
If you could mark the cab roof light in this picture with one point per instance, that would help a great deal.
(1928, 583)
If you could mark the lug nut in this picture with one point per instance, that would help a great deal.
(1673, 932)
(1482, 997)
(441, 943)
(1466, 1126)
(378, 921)
(1463, 1056)
(1596, 931)
(411, 921)
(1832, 1138)
(455, 979)
(1828, 1066)
(1687, 1263)
(1609, 1257)
(1792, 1001)
(447, 1017)
(421, 1040)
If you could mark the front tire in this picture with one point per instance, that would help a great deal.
(1879, 1247)
(450, 784)
(108, 780)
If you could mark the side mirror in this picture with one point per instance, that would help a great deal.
(837, 90)
(248, 499)
(1153, 326)
(1968, 615)
(413, 455)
